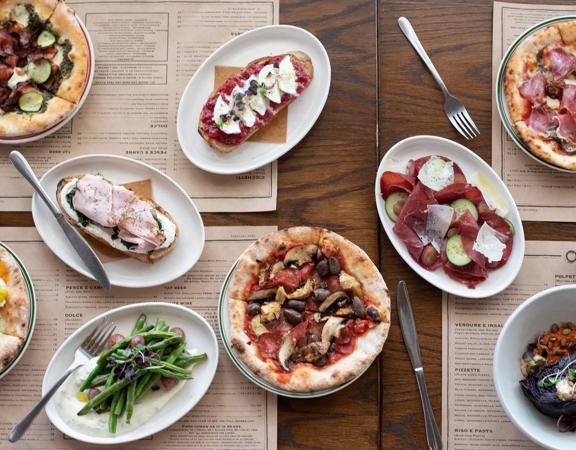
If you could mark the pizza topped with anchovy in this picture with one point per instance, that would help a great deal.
(540, 88)
(44, 65)
(308, 309)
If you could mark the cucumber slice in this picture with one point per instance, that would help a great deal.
(39, 71)
(31, 101)
(462, 205)
(455, 251)
(392, 201)
(46, 39)
(511, 225)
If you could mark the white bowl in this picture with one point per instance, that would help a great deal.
(199, 334)
(125, 272)
(417, 146)
(302, 114)
(535, 315)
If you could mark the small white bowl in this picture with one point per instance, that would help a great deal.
(535, 315)
(415, 147)
(199, 334)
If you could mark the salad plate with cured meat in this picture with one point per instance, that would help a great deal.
(536, 92)
(449, 216)
(271, 70)
(304, 312)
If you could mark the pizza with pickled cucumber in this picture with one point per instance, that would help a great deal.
(14, 309)
(308, 309)
(44, 65)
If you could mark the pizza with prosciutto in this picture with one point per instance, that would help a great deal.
(44, 65)
(308, 309)
(540, 88)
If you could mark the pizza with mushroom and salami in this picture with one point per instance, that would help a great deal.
(540, 88)
(44, 65)
(308, 309)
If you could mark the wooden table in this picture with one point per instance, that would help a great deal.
(380, 93)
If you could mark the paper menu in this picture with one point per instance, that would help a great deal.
(472, 417)
(542, 194)
(146, 52)
(233, 414)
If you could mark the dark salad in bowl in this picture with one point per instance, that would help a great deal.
(549, 370)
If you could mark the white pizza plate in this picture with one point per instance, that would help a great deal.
(533, 316)
(224, 326)
(415, 147)
(68, 118)
(302, 114)
(199, 335)
(126, 272)
(501, 102)
(29, 287)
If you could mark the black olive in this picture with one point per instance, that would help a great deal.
(373, 313)
(320, 294)
(334, 265)
(321, 361)
(253, 308)
(323, 268)
(298, 305)
(358, 307)
(293, 317)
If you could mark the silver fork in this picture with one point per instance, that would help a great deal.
(453, 108)
(91, 346)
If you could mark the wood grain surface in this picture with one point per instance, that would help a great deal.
(380, 90)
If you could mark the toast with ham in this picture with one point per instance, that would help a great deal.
(248, 100)
(117, 217)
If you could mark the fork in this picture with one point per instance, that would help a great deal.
(453, 108)
(91, 346)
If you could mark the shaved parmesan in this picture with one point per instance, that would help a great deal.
(488, 244)
(437, 224)
(436, 173)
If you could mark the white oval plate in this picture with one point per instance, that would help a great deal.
(126, 272)
(224, 326)
(532, 317)
(199, 334)
(68, 118)
(302, 114)
(414, 147)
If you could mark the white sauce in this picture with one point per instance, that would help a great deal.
(94, 424)
(168, 227)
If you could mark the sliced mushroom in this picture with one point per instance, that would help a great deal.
(304, 292)
(331, 299)
(263, 275)
(332, 329)
(350, 283)
(270, 311)
(281, 295)
(313, 351)
(298, 256)
(261, 295)
(344, 312)
(285, 351)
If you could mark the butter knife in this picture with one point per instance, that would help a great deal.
(408, 327)
(87, 255)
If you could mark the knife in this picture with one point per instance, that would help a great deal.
(80, 245)
(408, 327)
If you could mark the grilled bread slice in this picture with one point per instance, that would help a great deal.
(305, 62)
(149, 257)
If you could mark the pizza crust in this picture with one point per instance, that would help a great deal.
(67, 27)
(545, 149)
(18, 123)
(302, 58)
(43, 8)
(306, 377)
(9, 348)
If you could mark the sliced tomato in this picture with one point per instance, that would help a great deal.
(396, 182)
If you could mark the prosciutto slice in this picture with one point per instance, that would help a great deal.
(542, 121)
(567, 128)
(561, 63)
(459, 190)
(569, 99)
(534, 89)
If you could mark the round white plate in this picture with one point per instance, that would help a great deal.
(199, 335)
(126, 272)
(415, 147)
(532, 317)
(224, 326)
(302, 114)
(68, 118)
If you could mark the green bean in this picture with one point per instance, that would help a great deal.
(119, 408)
(99, 380)
(174, 339)
(159, 324)
(130, 399)
(113, 418)
(151, 379)
(168, 373)
(172, 367)
(108, 392)
(139, 324)
(187, 360)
